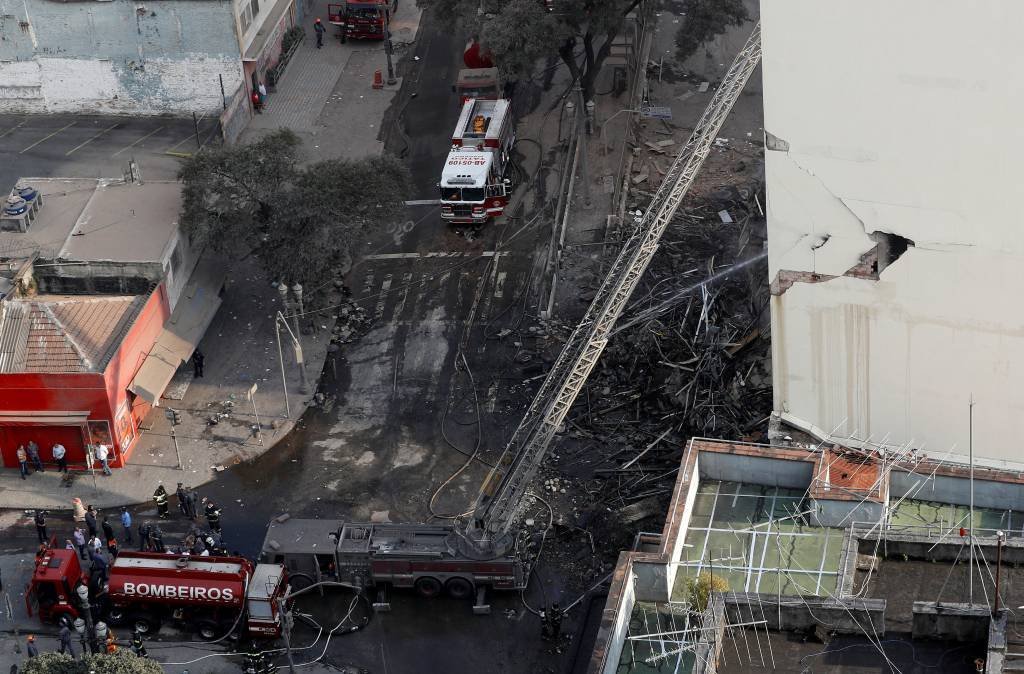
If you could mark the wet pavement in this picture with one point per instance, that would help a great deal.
(436, 379)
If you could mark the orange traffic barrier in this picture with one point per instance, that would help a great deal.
(378, 80)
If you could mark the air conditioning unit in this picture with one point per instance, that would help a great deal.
(20, 209)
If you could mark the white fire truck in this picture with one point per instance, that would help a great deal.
(474, 184)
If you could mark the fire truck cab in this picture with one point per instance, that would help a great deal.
(474, 185)
(363, 555)
(206, 594)
(481, 83)
(362, 19)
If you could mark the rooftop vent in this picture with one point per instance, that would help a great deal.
(20, 209)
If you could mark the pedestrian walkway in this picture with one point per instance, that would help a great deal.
(217, 414)
(326, 95)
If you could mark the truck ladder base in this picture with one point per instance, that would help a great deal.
(481, 607)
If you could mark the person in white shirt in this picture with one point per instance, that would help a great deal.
(59, 456)
(103, 456)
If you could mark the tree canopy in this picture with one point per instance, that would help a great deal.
(521, 32)
(703, 20)
(121, 662)
(299, 221)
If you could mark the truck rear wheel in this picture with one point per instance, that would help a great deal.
(428, 587)
(208, 630)
(299, 581)
(459, 588)
(145, 623)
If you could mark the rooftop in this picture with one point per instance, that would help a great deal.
(61, 334)
(98, 220)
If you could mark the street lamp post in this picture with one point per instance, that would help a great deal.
(296, 308)
(388, 50)
(83, 597)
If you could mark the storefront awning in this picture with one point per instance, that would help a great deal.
(192, 315)
(49, 418)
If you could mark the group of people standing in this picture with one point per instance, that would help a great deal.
(29, 454)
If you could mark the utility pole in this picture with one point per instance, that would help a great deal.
(296, 306)
(287, 622)
(1000, 537)
(255, 412)
(970, 525)
(388, 50)
(174, 416)
(585, 110)
(280, 358)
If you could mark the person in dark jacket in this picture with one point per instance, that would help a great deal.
(90, 521)
(41, 526)
(182, 500)
(319, 28)
(212, 513)
(160, 497)
(197, 356)
(108, 530)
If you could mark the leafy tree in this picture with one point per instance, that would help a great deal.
(121, 662)
(520, 32)
(299, 221)
(704, 20)
(700, 588)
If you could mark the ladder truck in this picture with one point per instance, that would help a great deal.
(484, 550)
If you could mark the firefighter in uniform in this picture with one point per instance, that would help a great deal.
(160, 496)
(212, 513)
(256, 661)
(138, 648)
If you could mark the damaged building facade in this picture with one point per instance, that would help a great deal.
(894, 256)
(172, 56)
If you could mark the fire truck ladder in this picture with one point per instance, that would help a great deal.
(501, 495)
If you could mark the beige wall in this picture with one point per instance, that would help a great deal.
(902, 118)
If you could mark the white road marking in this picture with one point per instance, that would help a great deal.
(417, 256)
(13, 128)
(79, 147)
(46, 138)
(128, 147)
(423, 202)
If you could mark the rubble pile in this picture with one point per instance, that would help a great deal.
(353, 322)
(690, 358)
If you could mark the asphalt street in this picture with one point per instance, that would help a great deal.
(95, 146)
(434, 386)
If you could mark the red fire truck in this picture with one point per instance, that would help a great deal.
(474, 187)
(427, 558)
(145, 589)
(482, 83)
(362, 19)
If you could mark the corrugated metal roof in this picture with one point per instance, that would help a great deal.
(66, 334)
(14, 326)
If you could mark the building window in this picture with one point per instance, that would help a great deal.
(176, 257)
(255, 8)
(246, 18)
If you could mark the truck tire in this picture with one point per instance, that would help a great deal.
(116, 616)
(459, 588)
(208, 630)
(428, 587)
(144, 622)
(299, 581)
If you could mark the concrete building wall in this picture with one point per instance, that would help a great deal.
(117, 56)
(891, 125)
(125, 408)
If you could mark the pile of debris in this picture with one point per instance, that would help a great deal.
(353, 322)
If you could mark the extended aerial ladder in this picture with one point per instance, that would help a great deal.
(487, 532)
